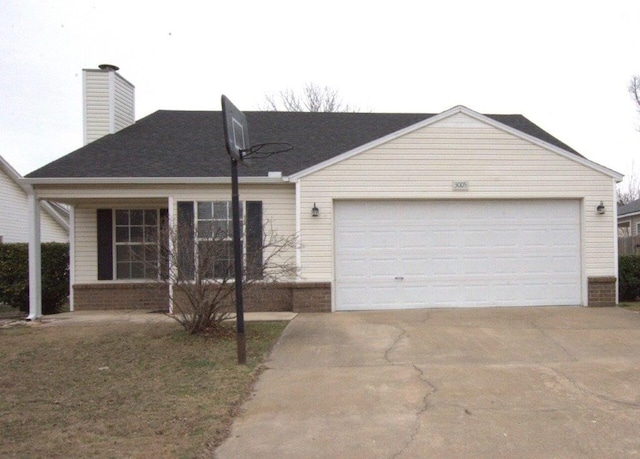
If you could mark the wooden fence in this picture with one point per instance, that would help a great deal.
(629, 245)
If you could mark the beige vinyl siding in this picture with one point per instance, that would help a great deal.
(124, 110)
(108, 104)
(14, 216)
(423, 164)
(278, 210)
(96, 105)
(86, 244)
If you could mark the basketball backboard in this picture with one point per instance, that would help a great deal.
(236, 130)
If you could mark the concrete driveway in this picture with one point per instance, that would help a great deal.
(514, 382)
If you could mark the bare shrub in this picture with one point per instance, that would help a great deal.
(199, 271)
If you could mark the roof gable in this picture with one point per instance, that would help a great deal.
(57, 212)
(516, 125)
(12, 174)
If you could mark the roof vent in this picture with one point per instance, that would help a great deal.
(272, 174)
(109, 67)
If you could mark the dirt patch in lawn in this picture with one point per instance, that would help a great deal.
(122, 390)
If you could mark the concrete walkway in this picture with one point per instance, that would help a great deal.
(141, 316)
(510, 382)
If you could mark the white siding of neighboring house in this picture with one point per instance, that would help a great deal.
(633, 222)
(423, 165)
(278, 211)
(14, 215)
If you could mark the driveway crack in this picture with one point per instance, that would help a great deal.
(589, 392)
(391, 348)
(546, 334)
(430, 390)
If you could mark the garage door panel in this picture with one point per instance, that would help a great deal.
(565, 266)
(356, 297)
(457, 253)
(354, 240)
(383, 267)
(504, 265)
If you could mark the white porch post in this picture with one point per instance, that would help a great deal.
(35, 270)
(72, 254)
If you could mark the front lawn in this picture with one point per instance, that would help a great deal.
(631, 306)
(122, 390)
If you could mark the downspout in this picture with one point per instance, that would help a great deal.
(615, 242)
(298, 227)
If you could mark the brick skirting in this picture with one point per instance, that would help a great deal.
(602, 291)
(105, 296)
(290, 296)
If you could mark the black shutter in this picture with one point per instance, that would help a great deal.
(254, 240)
(185, 244)
(105, 244)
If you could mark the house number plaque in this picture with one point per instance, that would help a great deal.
(460, 186)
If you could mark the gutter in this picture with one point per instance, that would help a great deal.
(151, 180)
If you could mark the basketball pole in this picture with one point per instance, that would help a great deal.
(237, 253)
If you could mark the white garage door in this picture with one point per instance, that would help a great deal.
(417, 254)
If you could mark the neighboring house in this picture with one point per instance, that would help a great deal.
(14, 213)
(629, 219)
(456, 209)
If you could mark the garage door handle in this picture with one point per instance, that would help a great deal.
(399, 277)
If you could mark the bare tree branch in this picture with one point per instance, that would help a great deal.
(629, 190)
(634, 90)
(199, 272)
(312, 98)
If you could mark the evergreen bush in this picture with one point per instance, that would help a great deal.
(14, 276)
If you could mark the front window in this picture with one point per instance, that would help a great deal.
(136, 243)
(215, 238)
(624, 229)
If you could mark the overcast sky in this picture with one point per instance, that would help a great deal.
(565, 65)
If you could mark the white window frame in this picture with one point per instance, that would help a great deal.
(229, 236)
(625, 228)
(130, 243)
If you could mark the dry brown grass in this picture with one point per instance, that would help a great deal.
(122, 390)
(631, 306)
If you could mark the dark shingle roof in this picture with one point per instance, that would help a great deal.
(171, 143)
(631, 208)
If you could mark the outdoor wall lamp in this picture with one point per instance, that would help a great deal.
(600, 209)
(315, 211)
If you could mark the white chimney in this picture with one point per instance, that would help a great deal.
(108, 101)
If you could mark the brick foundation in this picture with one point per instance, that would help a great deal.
(290, 296)
(311, 297)
(120, 296)
(602, 291)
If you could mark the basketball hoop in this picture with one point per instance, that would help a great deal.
(236, 130)
(236, 136)
(264, 150)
